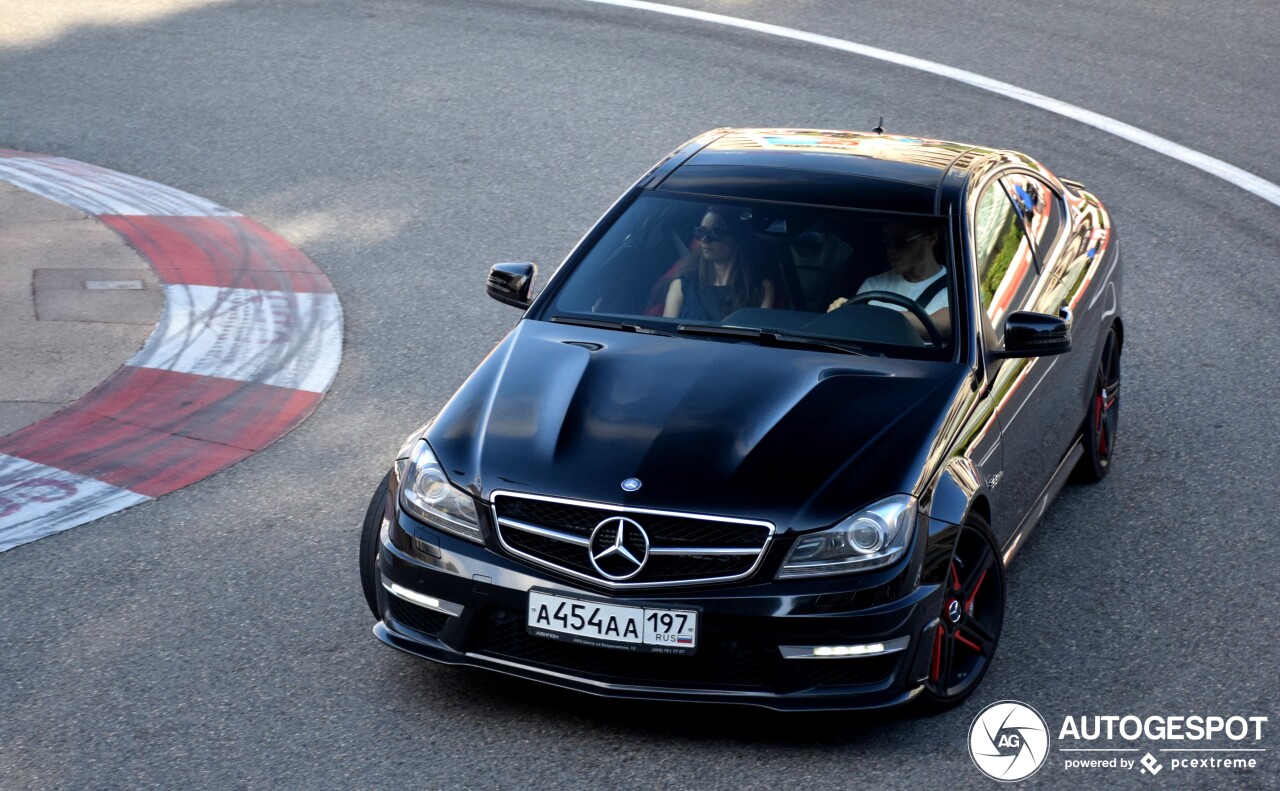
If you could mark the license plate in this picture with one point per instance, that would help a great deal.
(656, 630)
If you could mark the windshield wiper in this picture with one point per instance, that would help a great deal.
(768, 337)
(606, 324)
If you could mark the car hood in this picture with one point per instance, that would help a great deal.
(797, 437)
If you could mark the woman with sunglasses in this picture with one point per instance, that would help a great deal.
(914, 272)
(720, 276)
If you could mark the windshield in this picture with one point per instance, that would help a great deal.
(863, 281)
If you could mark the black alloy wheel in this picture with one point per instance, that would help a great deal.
(1100, 423)
(369, 542)
(968, 628)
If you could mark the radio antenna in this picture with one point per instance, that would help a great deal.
(879, 127)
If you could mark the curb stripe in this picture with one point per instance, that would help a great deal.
(249, 341)
(1239, 177)
(240, 414)
(36, 500)
(95, 190)
(229, 252)
(126, 456)
(272, 337)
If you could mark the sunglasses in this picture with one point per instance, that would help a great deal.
(897, 242)
(712, 235)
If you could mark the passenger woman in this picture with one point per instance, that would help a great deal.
(721, 275)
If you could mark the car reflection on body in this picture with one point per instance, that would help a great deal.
(786, 506)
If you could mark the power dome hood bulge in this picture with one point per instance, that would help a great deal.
(796, 437)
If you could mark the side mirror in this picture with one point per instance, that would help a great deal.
(1028, 334)
(510, 284)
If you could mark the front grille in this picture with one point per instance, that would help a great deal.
(663, 568)
(549, 550)
(719, 662)
(419, 619)
(683, 548)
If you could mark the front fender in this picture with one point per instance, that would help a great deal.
(957, 488)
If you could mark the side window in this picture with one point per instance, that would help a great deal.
(1004, 263)
(1040, 208)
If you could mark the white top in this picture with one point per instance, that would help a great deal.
(892, 281)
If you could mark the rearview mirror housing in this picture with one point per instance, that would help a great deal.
(1028, 334)
(510, 284)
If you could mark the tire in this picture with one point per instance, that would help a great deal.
(369, 541)
(972, 617)
(1103, 415)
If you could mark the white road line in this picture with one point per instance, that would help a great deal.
(1264, 189)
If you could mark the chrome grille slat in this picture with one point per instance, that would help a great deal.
(545, 532)
(702, 550)
(685, 548)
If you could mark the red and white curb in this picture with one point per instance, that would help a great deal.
(249, 341)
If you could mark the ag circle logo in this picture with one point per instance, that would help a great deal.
(1008, 741)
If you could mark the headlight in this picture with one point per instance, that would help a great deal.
(874, 537)
(425, 492)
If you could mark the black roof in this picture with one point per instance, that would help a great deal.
(856, 169)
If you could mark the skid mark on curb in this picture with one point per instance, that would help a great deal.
(249, 341)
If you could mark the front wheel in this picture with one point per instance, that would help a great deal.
(968, 628)
(369, 539)
(1103, 417)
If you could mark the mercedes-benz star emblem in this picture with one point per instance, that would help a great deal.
(631, 485)
(953, 611)
(619, 548)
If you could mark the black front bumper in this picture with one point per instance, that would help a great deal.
(481, 597)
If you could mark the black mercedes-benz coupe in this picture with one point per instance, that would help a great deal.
(770, 435)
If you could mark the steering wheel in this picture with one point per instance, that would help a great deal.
(913, 307)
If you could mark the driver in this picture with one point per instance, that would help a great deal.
(914, 272)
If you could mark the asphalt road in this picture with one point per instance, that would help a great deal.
(217, 638)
